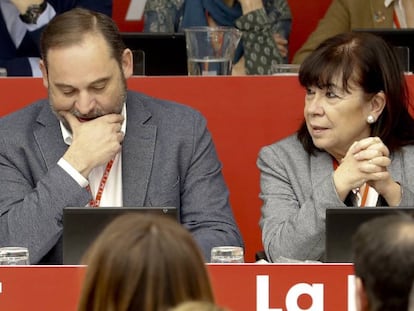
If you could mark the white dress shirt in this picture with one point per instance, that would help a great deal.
(112, 194)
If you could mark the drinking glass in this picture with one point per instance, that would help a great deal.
(14, 256)
(210, 50)
(285, 69)
(138, 58)
(227, 254)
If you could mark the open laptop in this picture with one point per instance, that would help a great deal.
(81, 226)
(395, 37)
(342, 223)
(164, 54)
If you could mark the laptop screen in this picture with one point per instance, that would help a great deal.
(342, 223)
(81, 226)
(164, 54)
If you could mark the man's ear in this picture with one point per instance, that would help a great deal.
(127, 63)
(44, 73)
(361, 298)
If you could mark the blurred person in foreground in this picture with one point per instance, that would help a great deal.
(22, 22)
(143, 262)
(346, 15)
(94, 143)
(265, 27)
(354, 147)
(383, 256)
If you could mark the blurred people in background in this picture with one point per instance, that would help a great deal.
(21, 23)
(354, 148)
(143, 262)
(94, 143)
(346, 15)
(383, 252)
(265, 26)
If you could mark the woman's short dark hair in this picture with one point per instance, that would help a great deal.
(369, 62)
(69, 28)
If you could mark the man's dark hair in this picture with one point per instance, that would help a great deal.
(383, 250)
(69, 29)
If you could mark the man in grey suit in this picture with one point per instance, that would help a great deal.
(95, 143)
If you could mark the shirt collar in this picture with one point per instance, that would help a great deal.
(67, 135)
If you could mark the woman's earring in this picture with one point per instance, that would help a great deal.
(370, 119)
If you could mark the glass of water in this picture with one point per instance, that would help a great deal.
(14, 256)
(210, 50)
(227, 254)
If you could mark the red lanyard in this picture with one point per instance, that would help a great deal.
(396, 21)
(97, 201)
(366, 188)
(364, 195)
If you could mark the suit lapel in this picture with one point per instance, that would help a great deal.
(137, 153)
(48, 136)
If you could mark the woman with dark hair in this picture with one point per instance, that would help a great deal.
(354, 148)
(143, 262)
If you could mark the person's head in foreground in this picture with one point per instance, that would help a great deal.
(383, 255)
(355, 89)
(143, 262)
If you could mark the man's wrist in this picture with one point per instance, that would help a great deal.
(66, 166)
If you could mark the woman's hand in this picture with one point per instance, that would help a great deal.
(367, 161)
(250, 5)
(282, 44)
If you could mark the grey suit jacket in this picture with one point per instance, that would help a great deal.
(168, 159)
(296, 189)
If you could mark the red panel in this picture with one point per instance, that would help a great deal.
(306, 15)
(119, 10)
(239, 287)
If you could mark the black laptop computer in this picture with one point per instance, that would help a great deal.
(164, 54)
(342, 223)
(395, 37)
(81, 226)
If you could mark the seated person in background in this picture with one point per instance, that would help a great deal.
(265, 26)
(383, 251)
(346, 15)
(94, 143)
(143, 262)
(354, 147)
(22, 23)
